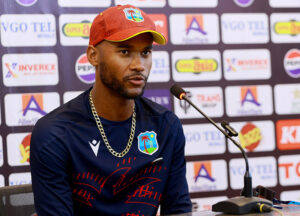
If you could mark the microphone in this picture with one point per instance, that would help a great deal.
(229, 129)
(237, 205)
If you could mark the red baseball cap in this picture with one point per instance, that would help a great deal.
(122, 22)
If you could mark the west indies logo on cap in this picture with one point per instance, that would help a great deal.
(26, 3)
(84, 70)
(292, 63)
(243, 3)
(133, 14)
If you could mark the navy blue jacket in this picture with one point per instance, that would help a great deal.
(73, 173)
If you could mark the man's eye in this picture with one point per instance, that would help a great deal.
(124, 52)
(146, 52)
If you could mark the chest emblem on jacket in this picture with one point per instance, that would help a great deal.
(147, 142)
(95, 146)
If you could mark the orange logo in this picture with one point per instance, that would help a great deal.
(161, 24)
(286, 167)
(26, 99)
(33, 102)
(25, 149)
(195, 23)
(288, 134)
(203, 170)
(249, 94)
(250, 136)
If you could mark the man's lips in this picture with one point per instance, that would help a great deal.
(137, 79)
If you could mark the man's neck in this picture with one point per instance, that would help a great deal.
(111, 107)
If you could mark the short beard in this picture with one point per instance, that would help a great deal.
(112, 83)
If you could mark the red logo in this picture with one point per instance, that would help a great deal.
(250, 136)
(288, 134)
(161, 24)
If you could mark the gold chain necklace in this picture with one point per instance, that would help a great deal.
(101, 129)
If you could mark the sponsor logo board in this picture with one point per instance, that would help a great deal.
(142, 3)
(26, 109)
(1, 151)
(203, 139)
(205, 204)
(23, 30)
(70, 95)
(285, 27)
(255, 136)
(208, 99)
(290, 195)
(245, 28)
(262, 169)
(204, 65)
(289, 170)
(18, 148)
(284, 4)
(291, 63)
(160, 71)
(288, 134)
(287, 99)
(2, 183)
(31, 69)
(75, 29)
(194, 28)
(160, 96)
(206, 176)
(193, 3)
(85, 3)
(249, 100)
(19, 178)
(251, 64)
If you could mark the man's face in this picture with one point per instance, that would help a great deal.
(125, 66)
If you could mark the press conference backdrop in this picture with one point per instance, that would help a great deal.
(239, 60)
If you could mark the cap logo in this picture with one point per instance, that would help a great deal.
(133, 14)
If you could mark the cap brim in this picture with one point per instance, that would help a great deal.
(157, 37)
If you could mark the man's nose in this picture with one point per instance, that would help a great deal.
(137, 63)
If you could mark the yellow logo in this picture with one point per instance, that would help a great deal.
(25, 149)
(77, 29)
(196, 65)
(250, 136)
(287, 28)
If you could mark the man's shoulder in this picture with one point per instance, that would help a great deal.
(58, 120)
(71, 110)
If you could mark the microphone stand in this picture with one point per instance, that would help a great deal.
(241, 204)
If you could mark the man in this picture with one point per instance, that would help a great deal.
(110, 151)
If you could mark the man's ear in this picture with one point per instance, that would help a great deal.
(93, 55)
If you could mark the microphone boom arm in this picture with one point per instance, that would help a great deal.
(237, 205)
(247, 191)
